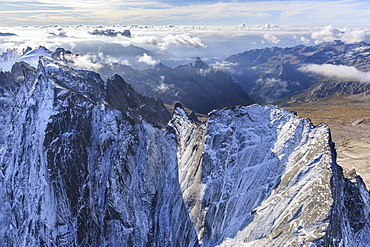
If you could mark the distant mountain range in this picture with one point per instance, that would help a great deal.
(199, 87)
(270, 75)
(273, 75)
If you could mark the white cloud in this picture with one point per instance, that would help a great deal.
(145, 58)
(329, 34)
(271, 38)
(302, 39)
(164, 87)
(32, 57)
(73, 45)
(224, 66)
(280, 88)
(204, 72)
(271, 82)
(106, 59)
(182, 40)
(144, 39)
(84, 62)
(337, 71)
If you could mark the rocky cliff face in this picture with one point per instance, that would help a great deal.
(91, 163)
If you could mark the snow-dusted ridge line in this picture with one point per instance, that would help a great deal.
(90, 163)
(268, 178)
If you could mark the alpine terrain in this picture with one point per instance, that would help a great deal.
(88, 162)
(185, 83)
(302, 73)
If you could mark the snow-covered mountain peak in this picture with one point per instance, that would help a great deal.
(180, 115)
(86, 83)
(30, 56)
(91, 163)
(40, 51)
(264, 163)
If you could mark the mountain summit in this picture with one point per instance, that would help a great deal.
(86, 162)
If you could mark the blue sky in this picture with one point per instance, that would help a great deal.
(200, 12)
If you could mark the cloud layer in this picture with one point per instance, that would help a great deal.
(182, 40)
(341, 72)
(271, 38)
(347, 35)
(172, 44)
(84, 62)
(145, 58)
(224, 66)
(144, 40)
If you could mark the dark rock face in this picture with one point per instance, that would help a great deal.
(91, 163)
(349, 216)
(123, 97)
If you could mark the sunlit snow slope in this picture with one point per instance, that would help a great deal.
(86, 162)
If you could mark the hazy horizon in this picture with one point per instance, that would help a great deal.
(183, 43)
(212, 30)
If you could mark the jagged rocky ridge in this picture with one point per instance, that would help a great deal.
(199, 87)
(91, 163)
